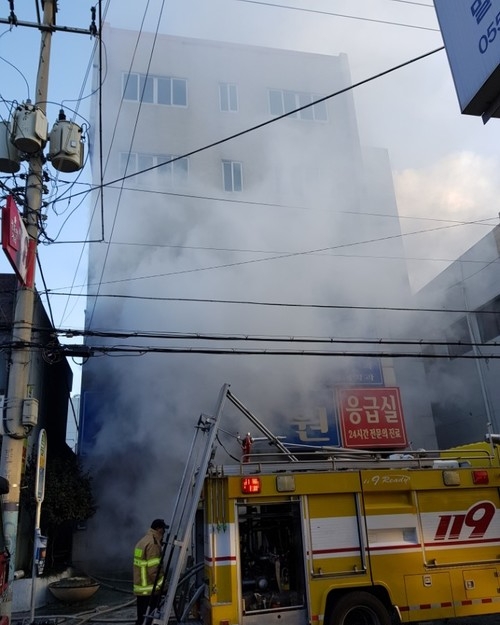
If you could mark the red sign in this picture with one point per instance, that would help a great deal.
(371, 418)
(16, 244)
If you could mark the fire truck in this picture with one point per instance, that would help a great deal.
(339, 537)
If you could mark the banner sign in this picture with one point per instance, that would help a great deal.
(371, 418)
(471, 34)
(16, 244)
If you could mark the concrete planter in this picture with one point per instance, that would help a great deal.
(21, 591)
(72, 589)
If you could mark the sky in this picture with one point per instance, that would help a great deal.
(444, 163)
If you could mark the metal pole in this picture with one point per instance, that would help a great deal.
(473, 328)
(13, 431)
(41, 467)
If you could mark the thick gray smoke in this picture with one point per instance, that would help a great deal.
(317, 224)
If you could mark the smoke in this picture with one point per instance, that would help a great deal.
(223, 251)
(320, 229)
(456, 194)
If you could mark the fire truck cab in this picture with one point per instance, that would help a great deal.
(346, 539)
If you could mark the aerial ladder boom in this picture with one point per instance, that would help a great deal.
(179, 534)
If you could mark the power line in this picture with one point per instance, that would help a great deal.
(352, 17)
(225, 200)
(283, 255)
(214, 198)
(240, 250)
(200, 300)
(85, 351)
(277, 256)
(255, 338)
(136, 121)
(419, 4)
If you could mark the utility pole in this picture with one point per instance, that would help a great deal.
(14, 433)
(29, 137)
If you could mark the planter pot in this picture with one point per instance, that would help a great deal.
(73, 589)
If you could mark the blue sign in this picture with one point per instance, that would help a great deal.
(315, 424)
(365, 372)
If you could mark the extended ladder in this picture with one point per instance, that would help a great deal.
(179, 534)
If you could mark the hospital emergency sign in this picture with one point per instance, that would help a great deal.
(371, 418)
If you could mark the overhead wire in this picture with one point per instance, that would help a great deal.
(229, 200)
(73, 182)
(86, 351)
(51, 314)
(343, 15)
(91, 315)
(268, 122)
(285, 115)
(54, 181)
(17, 70)
(272, 120)
(250, 338)
(310, 252)
(201, 300)
(419, 4)
(235, 250)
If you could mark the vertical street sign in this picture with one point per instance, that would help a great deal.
(39, 541)
(40, 469)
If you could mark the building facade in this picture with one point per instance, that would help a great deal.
(463, 386)
(49, 382)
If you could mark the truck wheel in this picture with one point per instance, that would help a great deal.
(359, 608)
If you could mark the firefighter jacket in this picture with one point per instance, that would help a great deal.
(147, 558)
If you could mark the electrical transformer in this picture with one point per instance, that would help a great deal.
(66, 146)
(10, 159)
(30, 128)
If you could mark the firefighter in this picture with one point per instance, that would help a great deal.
(148, 576)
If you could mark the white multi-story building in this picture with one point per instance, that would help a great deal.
(221, 219)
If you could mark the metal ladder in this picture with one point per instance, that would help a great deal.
(178, 537)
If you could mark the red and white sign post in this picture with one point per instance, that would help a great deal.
(18, 247)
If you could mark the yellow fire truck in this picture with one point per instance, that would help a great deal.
(337, 537)
(312, 542)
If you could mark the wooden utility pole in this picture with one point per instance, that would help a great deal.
(15, 429)
(14, 433)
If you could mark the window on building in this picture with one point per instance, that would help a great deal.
(281, 102)
(488, 320)
(172, 174)
(176, 172)
(458, 332)
(155, 89)
(130, 86)
(232, 175)
(228, 97)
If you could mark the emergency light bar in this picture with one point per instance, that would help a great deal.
(480, 477)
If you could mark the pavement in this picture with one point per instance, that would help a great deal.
(113, 602)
